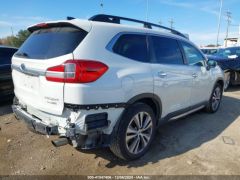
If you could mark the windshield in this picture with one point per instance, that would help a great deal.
(51, 42)
(226, 52)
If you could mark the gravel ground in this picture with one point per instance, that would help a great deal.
(200, 144)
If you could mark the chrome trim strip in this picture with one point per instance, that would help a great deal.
(161, 34)
(187, 113)
(31, 72)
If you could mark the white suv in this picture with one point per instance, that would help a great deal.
(99, 83)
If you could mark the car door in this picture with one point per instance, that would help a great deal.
(202, 85)
(6, 85)
(172, 80)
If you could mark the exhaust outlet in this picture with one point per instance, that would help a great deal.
(60, 142)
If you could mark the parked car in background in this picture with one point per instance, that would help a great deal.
(209, 51)
(114, 92)
(228, 53)
(6, 85)
(229, 60)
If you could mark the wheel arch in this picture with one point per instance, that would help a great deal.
(150, 99)
(219, 81)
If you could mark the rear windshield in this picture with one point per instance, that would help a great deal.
(51, 42)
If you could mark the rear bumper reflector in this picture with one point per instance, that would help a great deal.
(31, 72)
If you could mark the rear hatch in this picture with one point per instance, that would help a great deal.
(48, 46)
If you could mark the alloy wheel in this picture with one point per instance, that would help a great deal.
(216, 98)
(227, 81)
(139, 132)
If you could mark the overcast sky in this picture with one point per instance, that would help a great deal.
(197, 18)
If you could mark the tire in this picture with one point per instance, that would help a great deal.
(227, 80)
(135, 143)
(215, 99)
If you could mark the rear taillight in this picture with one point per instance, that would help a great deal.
(76, 71)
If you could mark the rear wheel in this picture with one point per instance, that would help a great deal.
(215, 99)
(135, 132)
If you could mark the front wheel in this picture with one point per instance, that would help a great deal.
(135, 132)
(215, 99)
(227, 79)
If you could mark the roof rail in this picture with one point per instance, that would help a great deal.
(117, 20)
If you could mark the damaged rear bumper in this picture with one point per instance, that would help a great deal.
(33, 122)
(94, 138)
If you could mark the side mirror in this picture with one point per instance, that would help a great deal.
(211, 64)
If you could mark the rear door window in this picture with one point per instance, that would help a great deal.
(132, 46)
(51, 42)
(166, 51)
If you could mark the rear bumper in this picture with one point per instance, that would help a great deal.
(92, 139)
(33, 122)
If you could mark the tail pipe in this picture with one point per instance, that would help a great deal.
(60, 142)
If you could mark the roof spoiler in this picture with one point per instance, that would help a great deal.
(50, 24)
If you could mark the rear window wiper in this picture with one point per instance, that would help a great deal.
(22, 54)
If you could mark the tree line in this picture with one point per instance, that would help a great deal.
(15, 40)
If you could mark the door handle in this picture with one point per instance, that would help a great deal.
(162, 74)
(194, 75)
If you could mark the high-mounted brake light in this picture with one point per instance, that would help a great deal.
(42, 25)
(76, 71)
